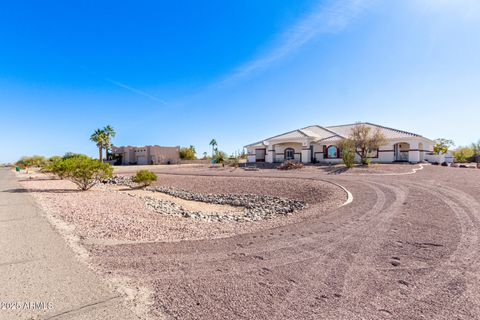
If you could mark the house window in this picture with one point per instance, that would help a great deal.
(373, 153)
(289, 154)
(332, 152)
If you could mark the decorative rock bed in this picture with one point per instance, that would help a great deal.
(256, 207)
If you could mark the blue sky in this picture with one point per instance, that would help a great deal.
(184, 72)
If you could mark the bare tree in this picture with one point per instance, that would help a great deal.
(365, 141)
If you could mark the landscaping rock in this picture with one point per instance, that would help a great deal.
(256, 207)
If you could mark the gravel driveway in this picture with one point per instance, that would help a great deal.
(407, 247)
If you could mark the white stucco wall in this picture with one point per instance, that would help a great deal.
(280, 150)
(386, 154)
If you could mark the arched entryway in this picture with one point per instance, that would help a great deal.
(401, 151)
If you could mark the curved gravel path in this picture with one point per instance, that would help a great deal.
(407, 247)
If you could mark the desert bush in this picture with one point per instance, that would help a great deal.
(348, 158)
(31, 161)
(188, 153)
(366, 161)
(463, 154)
(290, 165)
(220, 156)
(348, 152)
(50, 164)
(144, 177)
(233, 162)
(58, 167)
(476, 153)
(68, 155)
(85, 172)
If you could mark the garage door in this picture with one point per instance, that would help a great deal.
(142, 160)
(260, 155)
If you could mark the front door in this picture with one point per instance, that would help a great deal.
(401, 152)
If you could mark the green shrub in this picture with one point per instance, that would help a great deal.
(348, 157)
(31, 161)
(59, 168)
(347, 146)
(220, 156)
(84, 171)
(51, 164)
(188, 153)
(68, 155)
(366, 161)
(463, 154)
(144, 177)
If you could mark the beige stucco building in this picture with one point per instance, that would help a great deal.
(146, 155)
(319, 144)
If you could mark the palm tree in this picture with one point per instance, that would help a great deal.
(205, 155)
(100, 138)
(214, 144)
(109, 134)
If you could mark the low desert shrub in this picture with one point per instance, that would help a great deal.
(68, 155)
(56, 166)
(348, 158)
(290, 165)
(220, 156)
(31, 161)
(366, 161)
(144, 177)
(85, 172)
(59, 168)
(463, 154)
(348, 152)
(233, 162)
(188, 153)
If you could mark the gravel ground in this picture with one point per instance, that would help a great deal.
(376, 168)
(407, 247)
(309, 191)
(107, 216)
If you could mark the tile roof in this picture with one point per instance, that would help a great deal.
(332, 133)
(317, 132)
(390, 133)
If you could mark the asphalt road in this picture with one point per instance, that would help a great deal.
(40, 276)
(407, 247)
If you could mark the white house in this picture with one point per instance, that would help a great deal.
(319, 144)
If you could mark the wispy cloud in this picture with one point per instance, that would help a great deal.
(328, 17)
(136, 91)
(119, 84)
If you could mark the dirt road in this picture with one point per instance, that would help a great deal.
(407, 247)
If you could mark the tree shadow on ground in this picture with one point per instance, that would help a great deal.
(23, 190)
(338, 170)
(38, 179)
